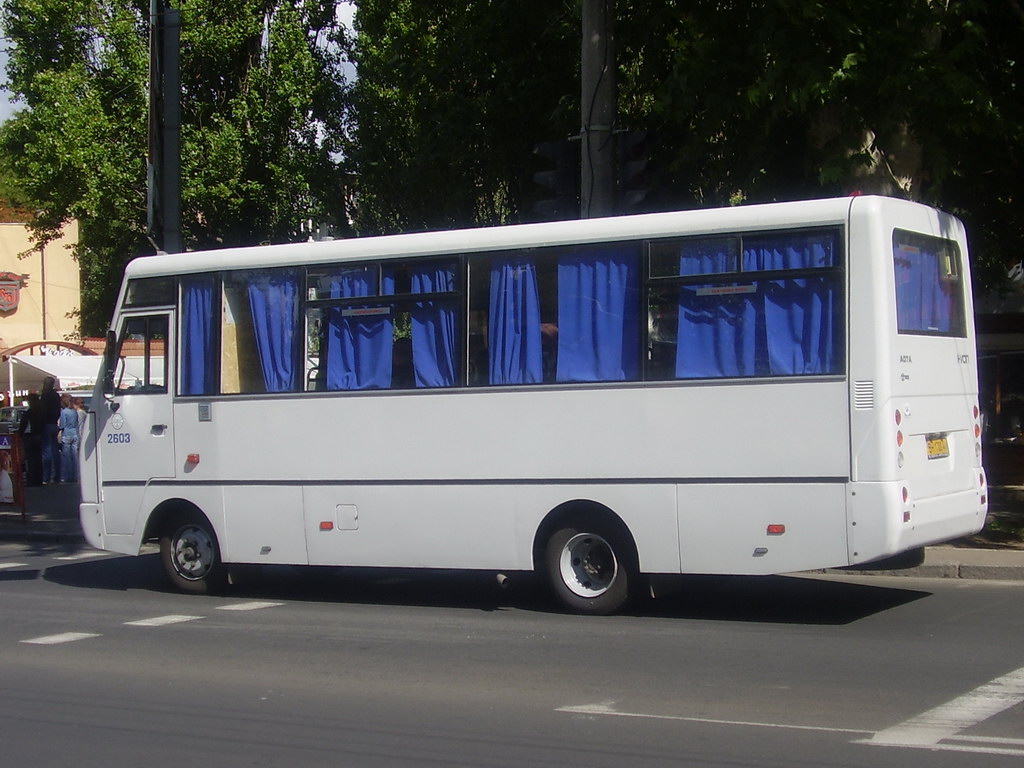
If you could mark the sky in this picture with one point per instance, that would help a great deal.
(6, 107)
(346, 8)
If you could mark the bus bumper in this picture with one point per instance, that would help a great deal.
(91, 517)
(881, 527)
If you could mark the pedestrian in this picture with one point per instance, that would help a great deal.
(69, 438)
(31, 429)
(49, 400)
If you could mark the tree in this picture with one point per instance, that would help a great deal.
(261, 114)
(790, 99)
(750, 100)
(451, 98)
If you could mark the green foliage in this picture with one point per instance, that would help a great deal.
(751, 100)
(450, 99)
(261, 116)
(789, 99)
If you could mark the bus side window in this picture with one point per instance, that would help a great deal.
(260, 334)
(142, 356)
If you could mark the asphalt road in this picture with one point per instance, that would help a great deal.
(100, 666)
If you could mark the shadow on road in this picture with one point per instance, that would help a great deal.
(758, 599)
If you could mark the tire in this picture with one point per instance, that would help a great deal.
(590, 568)
(191, 556)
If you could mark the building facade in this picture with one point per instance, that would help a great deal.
(40, 288)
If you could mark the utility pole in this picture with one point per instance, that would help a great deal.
(597, 158)
(164, 167)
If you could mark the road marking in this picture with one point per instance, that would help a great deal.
(607, 709)
(252, 605)
(13, 565)
(82, 556)
(64, 637)
(162, 621)
(936, 727)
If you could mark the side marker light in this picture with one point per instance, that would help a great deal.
(776, 529)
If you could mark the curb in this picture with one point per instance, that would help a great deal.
(944, 571)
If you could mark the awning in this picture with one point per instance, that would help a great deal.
(26, 373)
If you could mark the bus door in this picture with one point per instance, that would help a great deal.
(135, 427)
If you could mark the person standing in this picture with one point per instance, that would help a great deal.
(69, 438)
(49, 400)
(31, 429)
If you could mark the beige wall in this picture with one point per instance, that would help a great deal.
(52, 282)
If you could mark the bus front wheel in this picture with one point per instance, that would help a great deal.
(588, 568)
(191, 557)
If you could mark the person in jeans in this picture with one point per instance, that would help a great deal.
(68, 426)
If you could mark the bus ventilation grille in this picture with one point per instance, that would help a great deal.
(863, 395)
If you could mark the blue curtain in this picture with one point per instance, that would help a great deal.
(788, 251)
(599, 316)
(359, 339)
(198, 364)
(800, 326)
(707, 257)
(760, 328)
(717, 334)
(274, 301)
(434, 328)
(800, 314)
(514, 333)
(924, 301)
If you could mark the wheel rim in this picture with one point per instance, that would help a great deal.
(587, 565)
(193, 553)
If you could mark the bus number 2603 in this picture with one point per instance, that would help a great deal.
(119, 437)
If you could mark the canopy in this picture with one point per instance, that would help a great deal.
(26, 373)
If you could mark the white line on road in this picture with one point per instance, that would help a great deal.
(162, 621)
(929, 729)
(83, 556)
(252, 605)
(64, 637)
(989, 740)
(13, 565)
(607, 710)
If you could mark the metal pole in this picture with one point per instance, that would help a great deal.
(164, 170)
(597, 160)
(172, 130)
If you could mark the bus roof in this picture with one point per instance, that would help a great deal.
(482, 239)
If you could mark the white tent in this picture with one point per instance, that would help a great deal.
(26, 373)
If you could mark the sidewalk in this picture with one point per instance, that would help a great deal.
(52, 514)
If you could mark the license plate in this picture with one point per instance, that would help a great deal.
(938, 446)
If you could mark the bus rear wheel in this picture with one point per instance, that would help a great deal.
(191, 557)
(588, 568)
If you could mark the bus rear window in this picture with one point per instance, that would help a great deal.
(929, 285)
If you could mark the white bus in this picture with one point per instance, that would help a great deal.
(751, 390)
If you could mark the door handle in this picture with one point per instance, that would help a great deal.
(158, 429)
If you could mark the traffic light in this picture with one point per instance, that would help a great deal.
(560, 182)
(634, 170)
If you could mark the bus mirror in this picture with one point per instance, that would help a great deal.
(109, 364)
